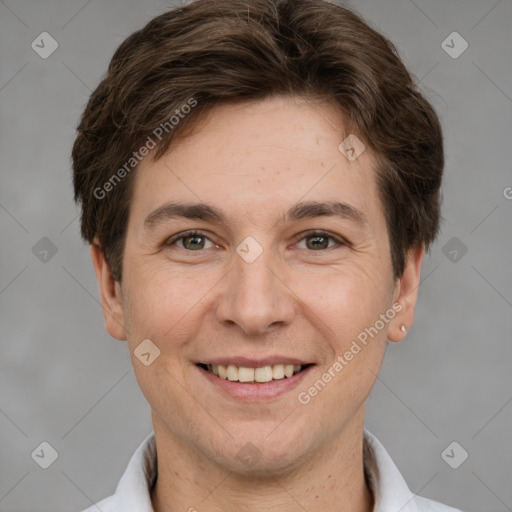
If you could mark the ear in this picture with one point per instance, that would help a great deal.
(406, 294)
(110, 292)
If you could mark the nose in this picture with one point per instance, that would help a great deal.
(255, 296)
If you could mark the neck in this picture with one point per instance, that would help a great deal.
(331, 479)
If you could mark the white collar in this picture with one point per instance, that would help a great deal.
(389, 487)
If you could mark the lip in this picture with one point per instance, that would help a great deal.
(248, 362)
(257, 392)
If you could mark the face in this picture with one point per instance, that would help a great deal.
(288, 264)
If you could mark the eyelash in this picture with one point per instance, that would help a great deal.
(309, 234)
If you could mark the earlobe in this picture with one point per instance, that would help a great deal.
(406, 294)
(110, 293)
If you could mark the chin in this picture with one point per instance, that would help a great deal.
(263, 454)
(261, 464)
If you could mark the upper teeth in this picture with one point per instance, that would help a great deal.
(262, 374)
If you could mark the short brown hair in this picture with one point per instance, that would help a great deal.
(242, 50)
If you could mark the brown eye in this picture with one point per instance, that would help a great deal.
(190, 241)
(318, 241)
(193, 242)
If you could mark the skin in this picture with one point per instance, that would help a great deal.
(254, 161)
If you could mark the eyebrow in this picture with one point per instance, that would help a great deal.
(299, 211)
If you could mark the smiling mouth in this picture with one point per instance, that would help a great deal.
(254, 375)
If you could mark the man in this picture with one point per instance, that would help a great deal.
(259, 182)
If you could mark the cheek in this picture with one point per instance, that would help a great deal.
(346, 300)
(347, 309)
(157, 301)
(341, 300)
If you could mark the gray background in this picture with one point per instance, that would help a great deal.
(65, 381)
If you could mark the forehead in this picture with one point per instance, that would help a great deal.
(258, 159)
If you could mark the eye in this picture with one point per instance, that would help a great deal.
(194, 241)
(320, 240)
(191, 241)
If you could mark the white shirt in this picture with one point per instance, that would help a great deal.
(388, 486)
